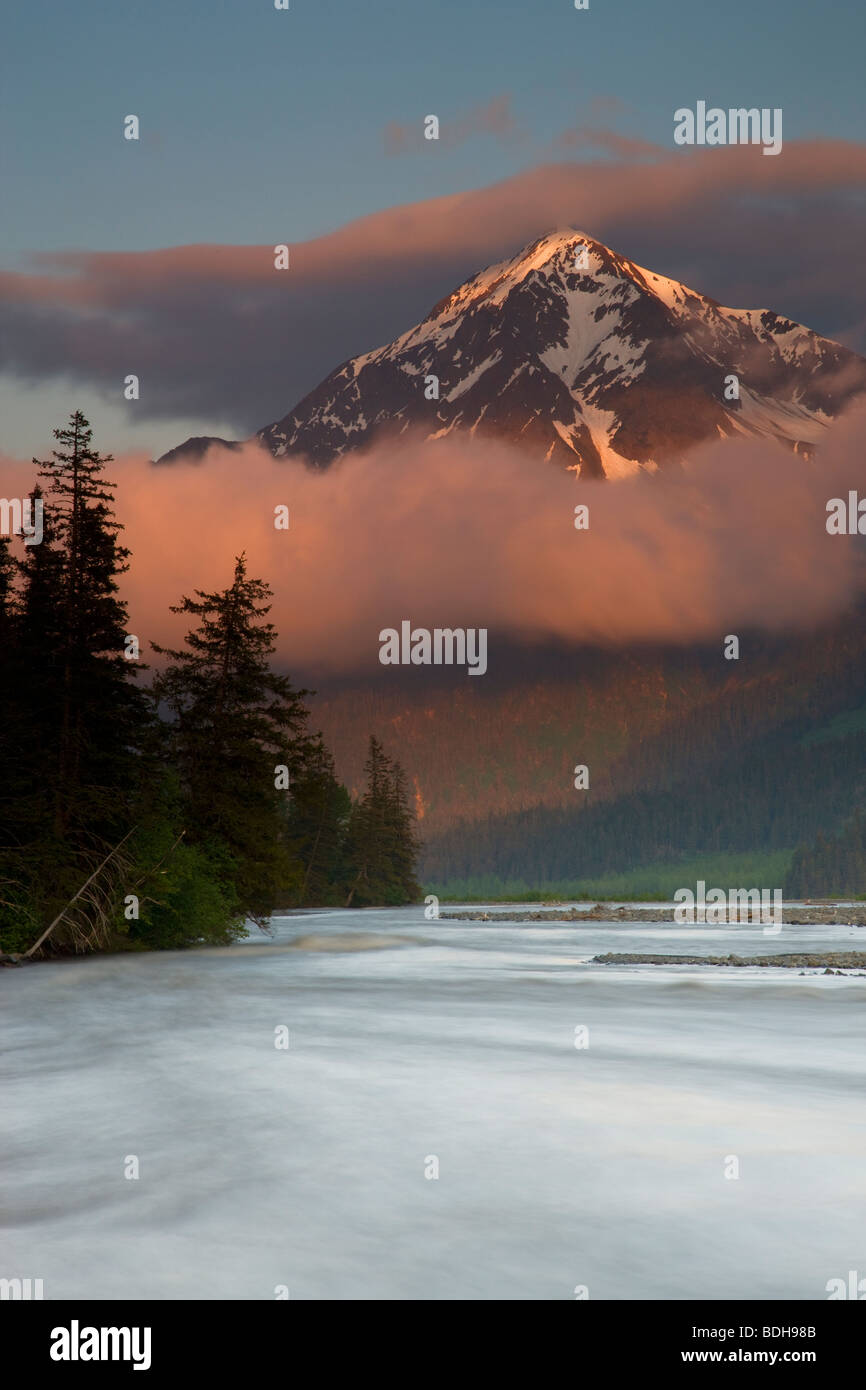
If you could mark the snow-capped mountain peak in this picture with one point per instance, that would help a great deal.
(584, 358)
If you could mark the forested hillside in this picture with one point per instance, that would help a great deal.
(834, 866)
(686, 754)
(637, 718)
(761, 764)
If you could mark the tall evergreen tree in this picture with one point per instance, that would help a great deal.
(99, 710)
(40, 655)
(78, 718)
(236, 723)
(401, 836)
(13, 747)
(366, 835)
(381, 846)
(318, 818)
(8, 597)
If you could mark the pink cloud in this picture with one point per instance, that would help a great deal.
(472, 534)
(493, 118)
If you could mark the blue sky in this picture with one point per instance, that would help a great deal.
(261, 125)
(257, 122)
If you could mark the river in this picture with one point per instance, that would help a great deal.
(310, 1168)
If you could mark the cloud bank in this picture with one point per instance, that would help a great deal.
(477, 534)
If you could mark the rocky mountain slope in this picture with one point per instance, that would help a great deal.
(586, 359)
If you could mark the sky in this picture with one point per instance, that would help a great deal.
(261, 126)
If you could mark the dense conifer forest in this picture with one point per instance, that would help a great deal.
(165, 807)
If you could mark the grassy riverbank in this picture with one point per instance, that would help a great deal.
(649, 883)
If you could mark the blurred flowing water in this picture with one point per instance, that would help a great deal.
(559, 1166)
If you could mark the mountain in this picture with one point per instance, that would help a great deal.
(194, 449)
(583, 357)
(602, 367)
(586, 358)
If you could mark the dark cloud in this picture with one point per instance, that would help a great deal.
(216, 332)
